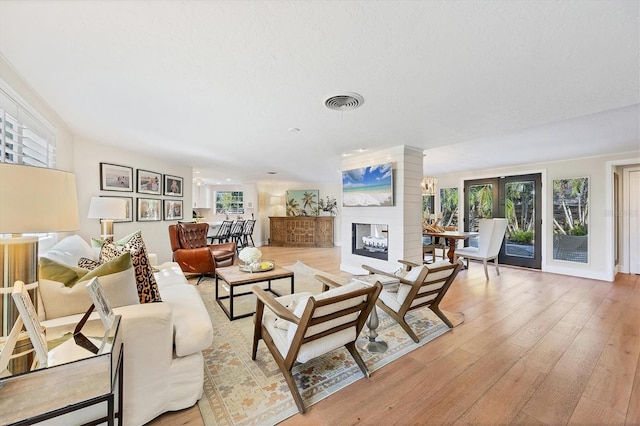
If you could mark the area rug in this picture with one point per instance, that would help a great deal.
(240, 391)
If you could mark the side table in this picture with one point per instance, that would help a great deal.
(370, 344)
(75, 378)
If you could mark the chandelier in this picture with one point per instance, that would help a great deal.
(429, 185)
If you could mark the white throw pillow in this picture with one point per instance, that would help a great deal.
(70, 250)
(413, 274)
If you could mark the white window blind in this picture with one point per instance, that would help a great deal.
(24, 138)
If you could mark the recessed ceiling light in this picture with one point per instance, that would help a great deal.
(361, 149)
(197, 172)
(228, 179)
(294, 129)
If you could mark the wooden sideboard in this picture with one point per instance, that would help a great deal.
(301, 231)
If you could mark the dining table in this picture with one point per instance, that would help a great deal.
(452, 237)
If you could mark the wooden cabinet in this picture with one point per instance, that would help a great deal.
(301, 231)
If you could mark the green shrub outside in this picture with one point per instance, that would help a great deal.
(521, 237)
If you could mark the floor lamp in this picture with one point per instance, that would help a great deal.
(32, 200)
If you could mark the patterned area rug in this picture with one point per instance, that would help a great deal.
(240, 391)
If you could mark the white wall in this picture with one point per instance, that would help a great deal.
(404, 218)
(600, 194)
(87, 158)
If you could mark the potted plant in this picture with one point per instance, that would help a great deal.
(328, 206)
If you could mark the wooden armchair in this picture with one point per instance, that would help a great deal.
(422, 285)
(193, 254)
(313, 326)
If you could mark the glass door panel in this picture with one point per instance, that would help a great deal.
(521, 206)
(516, 198)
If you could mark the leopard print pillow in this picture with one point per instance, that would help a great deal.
(87, 263)
(147, 286)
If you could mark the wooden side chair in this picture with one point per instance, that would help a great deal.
(224, 233)
(421, 286)
(247, 233)
(313, 326)
(236, 233)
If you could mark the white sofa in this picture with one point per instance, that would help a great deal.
(163, 342)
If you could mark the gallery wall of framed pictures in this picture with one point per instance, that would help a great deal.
(150, 185)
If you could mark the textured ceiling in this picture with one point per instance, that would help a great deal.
(220, 83)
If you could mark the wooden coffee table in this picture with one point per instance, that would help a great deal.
(234, 277)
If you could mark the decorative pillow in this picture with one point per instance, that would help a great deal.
(61, 299)
(147, 287)
(69, 250)
(89, 264)
(283, 324)
(60, 272)
(97, 244)
(412, 275)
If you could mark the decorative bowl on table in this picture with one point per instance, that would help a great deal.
(258, 266)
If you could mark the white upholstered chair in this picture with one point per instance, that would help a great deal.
(490, 236)
(301, 326)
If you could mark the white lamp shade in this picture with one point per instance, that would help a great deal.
(107, 208)
(274, 201)
(36, 199)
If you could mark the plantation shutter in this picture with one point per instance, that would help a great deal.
(24, 138)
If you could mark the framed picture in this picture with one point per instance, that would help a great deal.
(173, 186)
(101, 303)
(302, 202)
(149, 209)
(368, 186)
(129, 201)
(149, 182)
(116, 178)
(172, 209)
(30, 319)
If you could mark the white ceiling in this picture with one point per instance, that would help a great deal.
(219, 83)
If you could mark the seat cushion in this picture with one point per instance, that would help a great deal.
(335, 340)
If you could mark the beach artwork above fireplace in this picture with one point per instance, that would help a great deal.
(368, 186)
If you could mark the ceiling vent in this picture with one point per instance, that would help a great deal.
(344, 101)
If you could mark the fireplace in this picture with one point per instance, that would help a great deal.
(370, 240)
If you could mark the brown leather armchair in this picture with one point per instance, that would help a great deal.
(193, 254)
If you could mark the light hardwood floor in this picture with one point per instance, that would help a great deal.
(535, 348)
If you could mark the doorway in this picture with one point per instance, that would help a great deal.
(519, 200)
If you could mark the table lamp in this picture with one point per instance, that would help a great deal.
(32, 200)
(107, 209)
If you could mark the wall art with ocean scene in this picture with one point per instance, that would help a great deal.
(368, 186)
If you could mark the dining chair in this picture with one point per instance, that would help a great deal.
(490, 236)
(236, 233)
(247, 233)
(299, 327)
(224, 233)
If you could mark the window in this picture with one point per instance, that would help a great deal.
(449, 206)
(25, 138)
(230, 202)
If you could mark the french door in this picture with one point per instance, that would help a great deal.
(519, 200)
